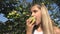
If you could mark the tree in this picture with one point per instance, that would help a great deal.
(17, 11)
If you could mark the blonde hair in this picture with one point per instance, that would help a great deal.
(47, 25)
(47, 21)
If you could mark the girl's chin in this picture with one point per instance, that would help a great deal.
(37, 23)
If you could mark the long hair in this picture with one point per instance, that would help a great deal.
(47, 21)
(46, 24)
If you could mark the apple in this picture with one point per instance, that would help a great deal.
(32, 20)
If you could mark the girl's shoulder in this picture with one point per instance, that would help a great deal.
(56, 30)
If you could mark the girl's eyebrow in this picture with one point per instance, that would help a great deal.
(34, 10)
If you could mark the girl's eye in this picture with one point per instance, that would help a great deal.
(35, 11)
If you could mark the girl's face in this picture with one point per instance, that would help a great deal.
(36, 12)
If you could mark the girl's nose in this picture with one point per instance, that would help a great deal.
(33, 14)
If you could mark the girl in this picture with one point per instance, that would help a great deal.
(43, 23)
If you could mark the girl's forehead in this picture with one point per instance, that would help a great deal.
(34, 7)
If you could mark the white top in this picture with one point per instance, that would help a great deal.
(36, 32)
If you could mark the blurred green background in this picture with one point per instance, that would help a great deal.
(13, 14)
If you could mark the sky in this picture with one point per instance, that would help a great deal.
(29, 0)
(2, 18)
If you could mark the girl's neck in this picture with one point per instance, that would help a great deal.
(39, 29)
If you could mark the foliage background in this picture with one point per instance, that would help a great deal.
(17, 11)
